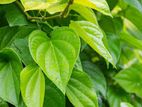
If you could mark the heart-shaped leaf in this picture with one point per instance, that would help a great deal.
(32, 86)
(130, 79)
(80, 90)
(92, 34)
(10, 67)
(56, 55)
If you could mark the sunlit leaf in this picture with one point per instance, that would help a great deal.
(125, 104)
(92, 34)
(32, 86)
(56, 55)
(85, 12)
(100, 5)
(49, 5)
(6, 1)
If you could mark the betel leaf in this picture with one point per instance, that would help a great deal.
(134, 3)
(7, 35)
(32, 86)
(6, 1)
(130, 79)
(20, 44)
(80, 90)
(56, 55)
(97, 77)
(53, 96)
(115, 95)
(112, 28)
(14, 16)
(99, 5)
(49, 5)
(125, 104)
(92, 34)
(130, 39)
(135, 18)
(10, 67)
(85, 12)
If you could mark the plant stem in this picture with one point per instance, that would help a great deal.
(33, 19)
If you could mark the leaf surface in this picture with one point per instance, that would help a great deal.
(32, 86)
(130, 79)
(80, 90)
(56, 55)
(10, 67)
(93, 35)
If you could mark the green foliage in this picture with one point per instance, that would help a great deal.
(70, 53)
(32, 85)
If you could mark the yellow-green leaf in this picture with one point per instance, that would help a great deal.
(6, 1)
(93, 35)
(99, 5)
(32, 86)
(56, 55)
(51, 6)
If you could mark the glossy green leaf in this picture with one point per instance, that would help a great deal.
(32, 86)
(135, 18)
(20, 44)
(7, 35)
(92, 34)
(112, 28)
(85, 12)
(10, 67)
(130, 79)
(133, 41)
(135, 3)
(115, 95)
(56, 55)
(14, 16)
(97, 77)
(6, 1)
(53, 96)
(99, 5)
(80, 90)
(125, 104)
(49, 5)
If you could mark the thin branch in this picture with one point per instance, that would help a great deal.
(61, 15)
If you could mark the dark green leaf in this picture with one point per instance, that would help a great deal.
(53, 96)
(80, 90)
(97, 77)
(14, 15)
(10, 67)
(7, 35)
(130, 79)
